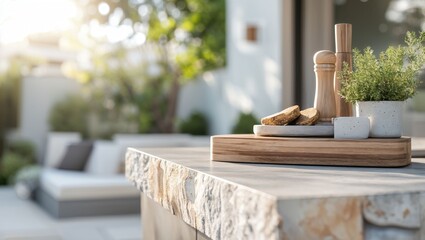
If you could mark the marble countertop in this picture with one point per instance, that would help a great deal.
(265, 201)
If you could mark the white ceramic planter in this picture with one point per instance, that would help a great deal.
(385, 117)
(351, 127)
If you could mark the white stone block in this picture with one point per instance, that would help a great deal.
(351, 127)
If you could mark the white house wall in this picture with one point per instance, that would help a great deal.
(206, 95)
(254, 69)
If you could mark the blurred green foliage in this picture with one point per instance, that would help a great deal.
(10, 86)
(91, 118)
(11, 72)
(70, 115)
(122, 94)
(23, 148)
(245, 123)
(195, 124)
(17, 155)
(196, 26)
(11, 164)
(10, 94)
(183, 40)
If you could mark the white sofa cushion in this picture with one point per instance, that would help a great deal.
(72, 185)
(105, 158)
(57, 143)
(152, 140)
(125, 141)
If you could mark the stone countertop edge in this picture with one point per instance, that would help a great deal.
(222, 209)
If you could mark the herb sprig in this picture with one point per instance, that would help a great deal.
(392, 76)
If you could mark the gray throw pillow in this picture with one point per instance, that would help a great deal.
(76, 156)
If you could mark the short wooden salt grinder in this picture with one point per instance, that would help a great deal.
(343, 35)
(324, 100)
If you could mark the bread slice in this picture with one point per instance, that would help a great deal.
(283, 117)
(309, 116)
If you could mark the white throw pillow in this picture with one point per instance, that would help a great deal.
(105, 158)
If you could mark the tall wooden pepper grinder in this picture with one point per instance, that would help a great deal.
(343, 35)
(324, 100)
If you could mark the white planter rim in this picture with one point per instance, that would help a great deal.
(379, 101)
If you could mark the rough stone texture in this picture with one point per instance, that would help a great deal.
(389, 233)
(264, 201)
(393, 210)
(334, 218)
(219, 209)
(393, 216)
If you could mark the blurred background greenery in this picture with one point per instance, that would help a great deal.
(133, 85)
(131, 59)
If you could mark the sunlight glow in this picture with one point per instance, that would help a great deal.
(103, 8)
(20, 18)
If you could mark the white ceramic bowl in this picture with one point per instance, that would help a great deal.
(351, 127)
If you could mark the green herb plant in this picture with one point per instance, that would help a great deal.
(392, 76)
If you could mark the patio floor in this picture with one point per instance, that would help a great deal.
(22, 219)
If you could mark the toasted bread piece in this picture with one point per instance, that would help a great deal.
(283, 117)
(309, 116)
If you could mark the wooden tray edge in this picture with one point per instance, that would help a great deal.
(240, 153)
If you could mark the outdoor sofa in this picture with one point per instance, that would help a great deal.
(100, 188)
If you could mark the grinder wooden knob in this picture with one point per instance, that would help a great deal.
(324, 100)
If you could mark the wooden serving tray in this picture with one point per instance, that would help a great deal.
(371, 152)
